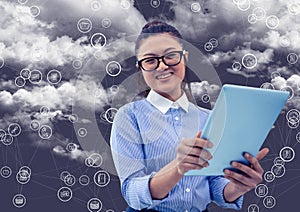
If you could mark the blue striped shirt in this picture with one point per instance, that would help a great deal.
(144, 138)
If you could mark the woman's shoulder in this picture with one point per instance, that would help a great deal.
(200, 109)
(133, 108)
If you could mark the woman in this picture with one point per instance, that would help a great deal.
(156, 140)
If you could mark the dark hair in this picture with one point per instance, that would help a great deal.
(155, 27)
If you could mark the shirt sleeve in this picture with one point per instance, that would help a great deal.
(129, 160)
(216, 187)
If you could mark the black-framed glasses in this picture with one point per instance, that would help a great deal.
(170, 59)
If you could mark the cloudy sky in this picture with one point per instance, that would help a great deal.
(247, 42)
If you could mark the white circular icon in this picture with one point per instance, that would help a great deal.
(70, 180)
(208, 46)
(113, 68)
(269, 202)
(278, 170)
(73, 118)
(84, 25)
(44, 110)
(82, 132)
(253, 208)
(195, 7)
(259, 13)
(287, 154)
(2, 134)
(268, 86)
(14, 129)
(275, 74)
(110, 114)
(25, 169)
(71, 147)
(272, 22)
(298, 137)
(294, 8)
(84, 180)
(293, 116)
(7, 139)
(77, 64)
(20, 81)
(243, 5)
(98, 40)
(269, 176)
(63, 174)
(19, 200)
(34, 11)
(25, 73)
(22, 1)
(54, 77)
(205, 98)
(114, 89)
(284, 41)
(236, 66)
(35, 76)
(249, 61)
(34, 125)
(290, 90)
(278, 161)
(292, 58)
(214, 42)
(155, 3)
(94, 205)
(1, 62)
(45, 132)
(23, 177)
(106, 22)
(95, 5)
(64, 194)
(5, 172)
(94, 160)
(261, 190)
(125, 4)
(252, 19)
(101, 178)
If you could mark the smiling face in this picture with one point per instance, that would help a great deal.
(165, 80)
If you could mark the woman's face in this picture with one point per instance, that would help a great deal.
(165, 80)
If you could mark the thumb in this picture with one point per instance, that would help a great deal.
(199, 134)
(262, 153)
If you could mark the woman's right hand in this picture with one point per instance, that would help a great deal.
(192, 154)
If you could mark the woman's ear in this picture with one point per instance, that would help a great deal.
(186, 56)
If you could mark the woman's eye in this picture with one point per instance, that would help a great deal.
(171, 55)
(150, 61)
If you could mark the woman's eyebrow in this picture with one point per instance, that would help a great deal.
(153, 54)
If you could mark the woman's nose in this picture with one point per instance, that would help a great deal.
(161, 66)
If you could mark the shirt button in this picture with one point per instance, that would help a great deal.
(186, 211)
(187, 189)
(176, 118)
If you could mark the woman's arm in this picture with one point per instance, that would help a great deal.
(190, 155)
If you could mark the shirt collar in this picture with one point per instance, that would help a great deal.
(163, 104)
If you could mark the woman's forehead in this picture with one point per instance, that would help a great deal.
(158, 43)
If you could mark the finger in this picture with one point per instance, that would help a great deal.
(262, 153)
(199, 152)
(184, 167)
(248, 171)
(199, 134)
(200, 142)
(254, 162)
(244, 187)
(195, 160)
(240, 178)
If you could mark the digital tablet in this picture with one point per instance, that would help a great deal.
(239, 122)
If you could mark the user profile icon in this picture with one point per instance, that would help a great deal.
(19, 200)
(84, 25)
(155, 3)
(94, 205)
(269, 202)
(64, 194)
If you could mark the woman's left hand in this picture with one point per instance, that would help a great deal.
(251, 175)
